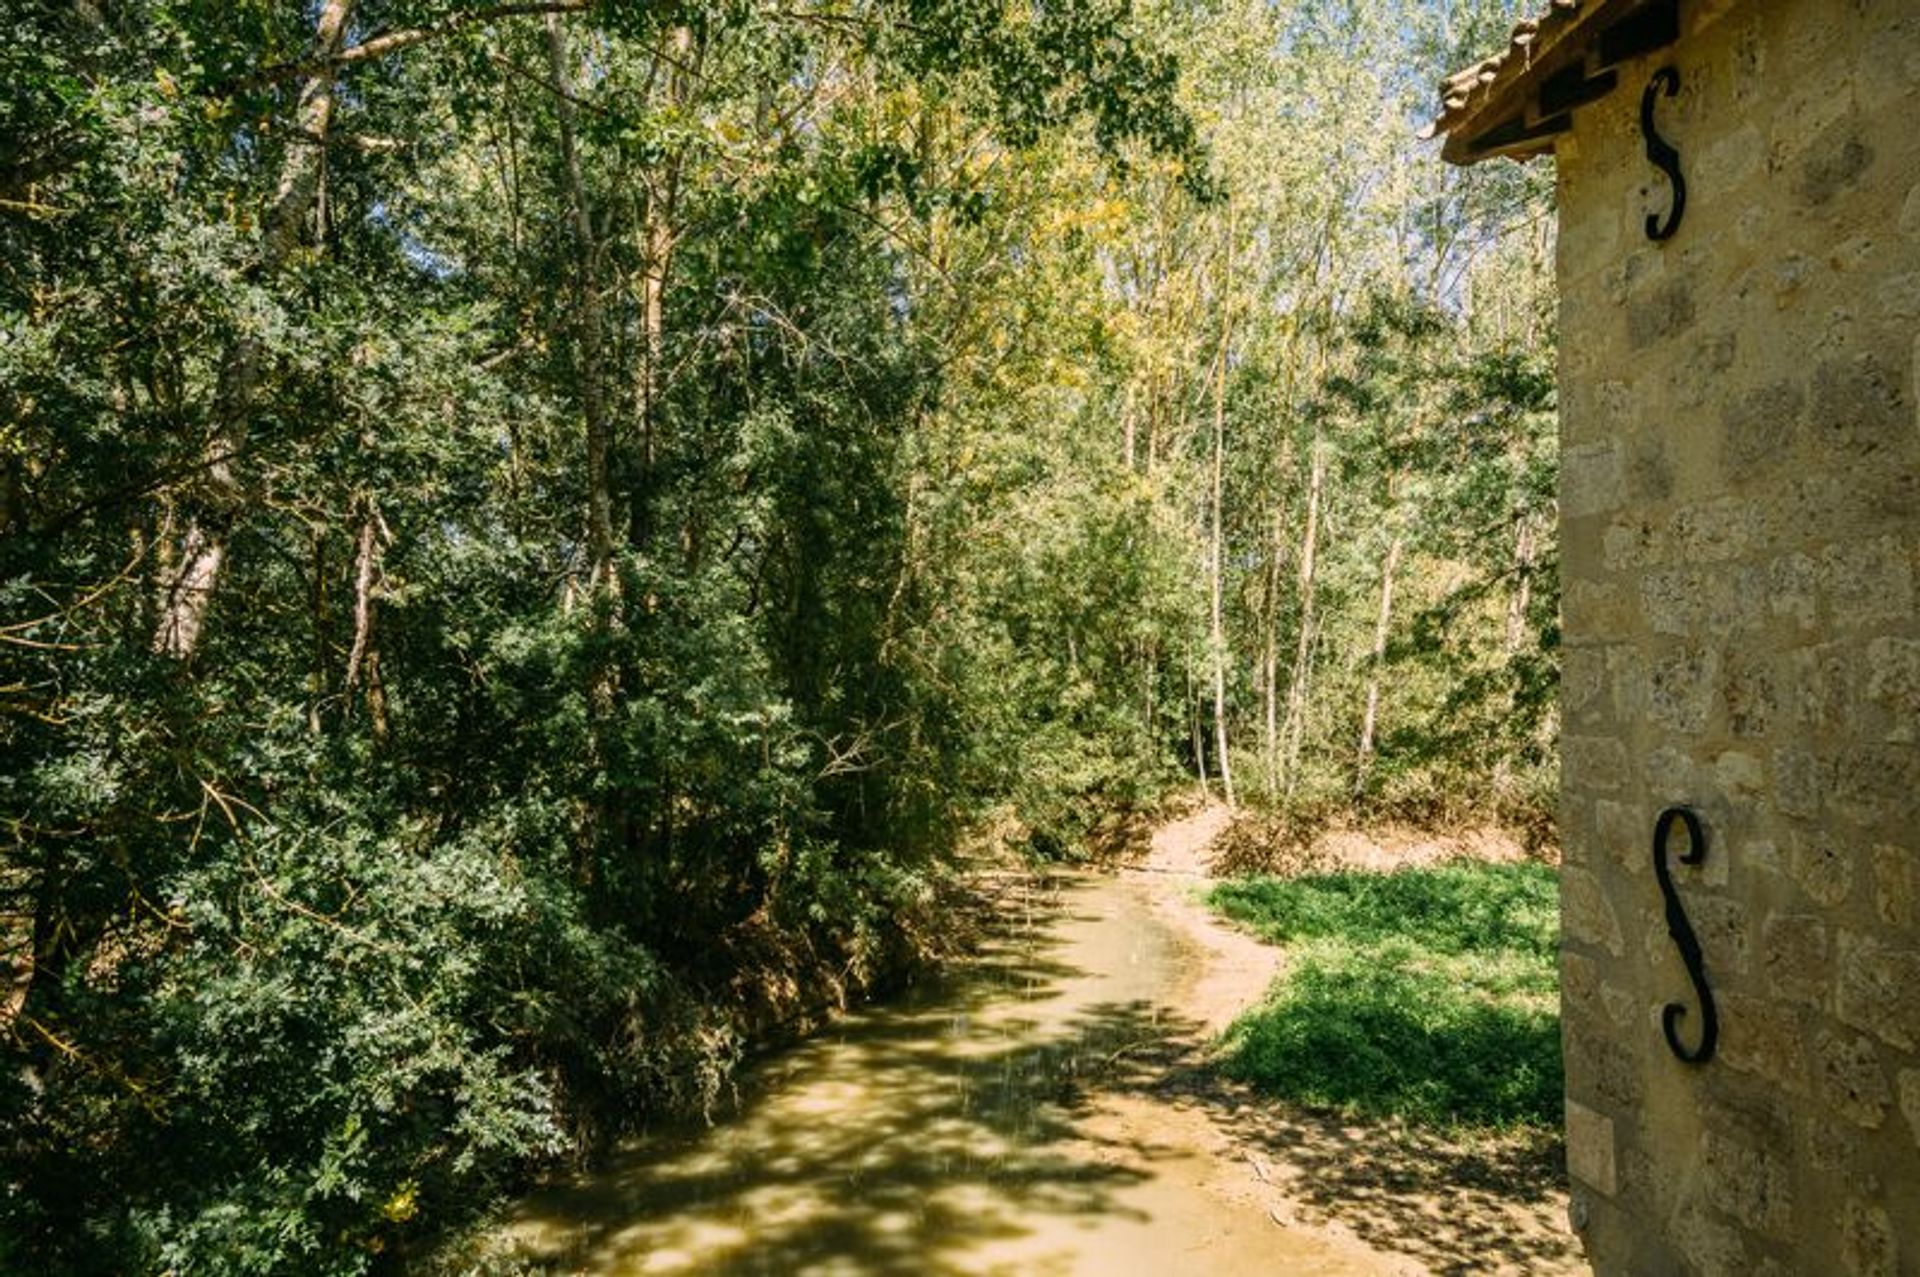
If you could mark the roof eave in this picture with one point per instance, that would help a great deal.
(1518, 101)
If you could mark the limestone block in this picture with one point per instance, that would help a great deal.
(1887, 69)
(1893, 686)
(1596, 613)
(1586, 915)
(1712, 1248)
(1788, 278)
(1649, 471)
(1589, 245)
(1800, 780)
(1822, 686)
(1910, 1100)
(1749, 693)
(1579, 985)
(1621, 1005)
(1876, 781)
(1601, 1066)
(1761, 428)
(1591, 481)
(1722, 927)
(1749, 1183)
(1854, 496)
(1716, 531)
(1823, 866)
(1682, 688)
(1763, 854)
(1584, 692)
(1793, 957)
(1858, 404)
(1623, 836)
(1867, 1244)
(1855, 254)
(1878, 989)
(1899, 295)
(1761, 1037)
(1632, 542)
(1590, 1149)
(1596, 409)
(1834, 163)
(1677, 601)
(1658, 313)
(1731, 159)
(1600, 762)
(1670, 777)
(1793, 583)
(1896, 885)
(1697, 381)
(1868, 581)
(1848, 1078)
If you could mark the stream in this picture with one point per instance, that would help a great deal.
(1026, 1116)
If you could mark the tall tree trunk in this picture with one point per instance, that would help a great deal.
(317, 621)
(1196, 724)
(1147, 670)
(1270, 654)
(589, 332)
(1520, 599)
(658, 235)
(597, 816)
(1216, 563)
(363, 658)
(1295, 729)
(193, 566)
(1382, 627)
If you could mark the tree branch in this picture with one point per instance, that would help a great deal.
(394, 41)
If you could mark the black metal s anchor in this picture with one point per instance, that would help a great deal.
(1683, 937)
(1661, 154)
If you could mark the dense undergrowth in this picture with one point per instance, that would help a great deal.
(530, 535)
(1429, 995)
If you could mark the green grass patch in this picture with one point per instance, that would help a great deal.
(1427, 994)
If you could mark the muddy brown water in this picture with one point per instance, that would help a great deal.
(1024, 1117)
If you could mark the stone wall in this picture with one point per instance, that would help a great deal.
(1741, 504)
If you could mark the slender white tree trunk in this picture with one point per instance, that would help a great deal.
(588, 329)
(1382, 627)
(192, 568)
(1216, 627)
(1295, 729)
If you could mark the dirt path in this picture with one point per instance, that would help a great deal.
(1047, 1112)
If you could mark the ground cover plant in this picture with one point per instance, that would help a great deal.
(1428, 995)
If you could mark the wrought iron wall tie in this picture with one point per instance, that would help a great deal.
(1661, 155)
(1683, 936)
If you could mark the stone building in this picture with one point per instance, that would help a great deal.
(1740, 503)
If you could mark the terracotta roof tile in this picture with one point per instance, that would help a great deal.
(1516, 101)
(1463, 93)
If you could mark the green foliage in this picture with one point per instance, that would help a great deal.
(1460, 908)
(1424, 995)
(501, 576)
(435, 851)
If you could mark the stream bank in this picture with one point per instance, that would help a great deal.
(1048, 1109)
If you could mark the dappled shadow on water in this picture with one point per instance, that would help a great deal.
(941, 1137)
(971, 1130)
